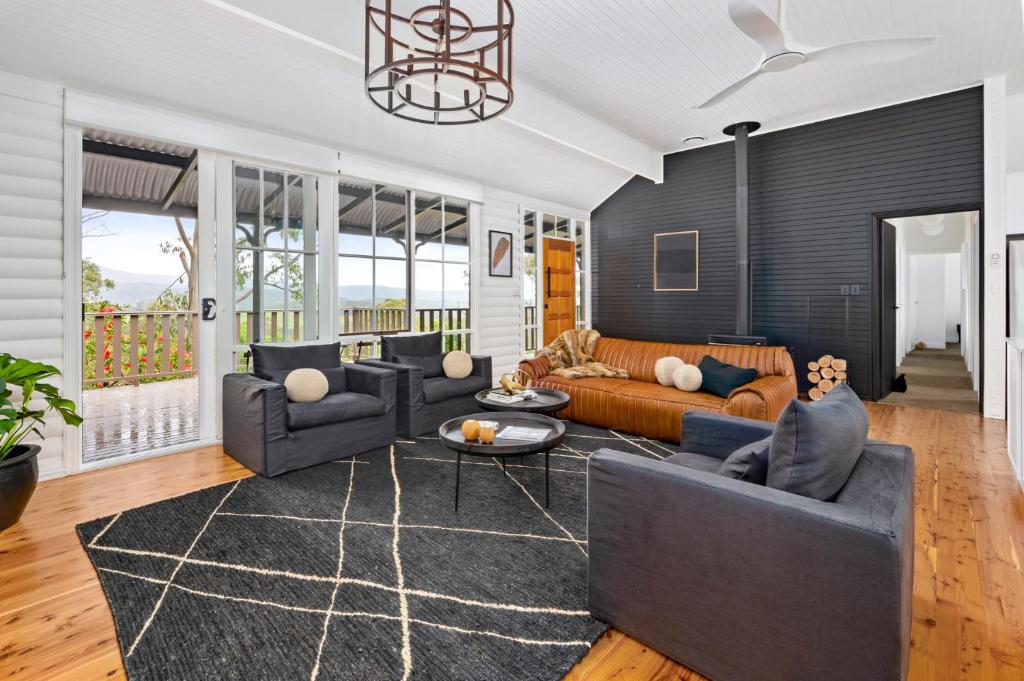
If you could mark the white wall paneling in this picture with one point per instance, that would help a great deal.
(498, 309)
(31, 219)
(994, 274)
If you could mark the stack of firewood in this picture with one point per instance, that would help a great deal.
(825, 374)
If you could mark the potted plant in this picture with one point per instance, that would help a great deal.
(19, 470)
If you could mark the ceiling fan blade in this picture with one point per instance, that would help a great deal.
(870, 51)
(729, 91)
(758, 26)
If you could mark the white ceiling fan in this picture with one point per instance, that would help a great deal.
(767, 32)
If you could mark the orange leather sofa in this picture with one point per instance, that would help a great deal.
(641, 406)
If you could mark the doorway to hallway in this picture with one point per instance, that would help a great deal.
(929, 310)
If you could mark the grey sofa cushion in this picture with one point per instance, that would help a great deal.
(432, 365)
(817, 444)
(443, 388)
(419, 345)
(333, 409)
(269, 359)
(748, 463)
(700, 462)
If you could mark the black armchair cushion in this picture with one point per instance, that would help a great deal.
(433, 365)
(442, 388)
(333, 409)
(269, 359)
(420, 345)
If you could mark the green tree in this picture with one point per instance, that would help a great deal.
(93, 282)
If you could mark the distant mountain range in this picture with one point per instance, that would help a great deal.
(136, 289)
(139, 290)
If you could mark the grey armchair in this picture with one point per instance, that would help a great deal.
(743, 582)
(425, 402)
(270, 435)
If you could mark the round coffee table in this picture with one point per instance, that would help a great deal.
(548, 401)
(450, 433)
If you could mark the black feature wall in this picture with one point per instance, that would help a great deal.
(813, 191)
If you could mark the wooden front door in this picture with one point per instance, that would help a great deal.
(559, 282)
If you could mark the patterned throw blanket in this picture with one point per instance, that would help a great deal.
(571, 355)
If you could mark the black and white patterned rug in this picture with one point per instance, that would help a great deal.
(361, 569)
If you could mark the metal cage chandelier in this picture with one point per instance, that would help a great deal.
(435, 64)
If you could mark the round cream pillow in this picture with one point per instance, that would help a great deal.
(457, 364)
(306, 385)
(665, 368)
(688, 378)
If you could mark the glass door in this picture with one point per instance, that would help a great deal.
(140, 268)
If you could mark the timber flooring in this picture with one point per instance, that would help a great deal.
(968, 586)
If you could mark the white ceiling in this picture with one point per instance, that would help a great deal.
(633, 70)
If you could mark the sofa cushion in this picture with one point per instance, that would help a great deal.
(816, 445)
(687, 378)
(418, 345)
(333, 409)
(443, 388)
(267, 360)
(665, 368)
(664, 393)
(306, 385)
(708, 464)
(748, 463)
(433, 365)
(721, 379)
(336, 380)
(457, 364)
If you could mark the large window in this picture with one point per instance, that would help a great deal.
(442, 269)
(373, 263)
(383, 287)
(275, 256)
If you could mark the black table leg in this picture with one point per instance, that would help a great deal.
(458, 471)
(503, 469)
(547, 476)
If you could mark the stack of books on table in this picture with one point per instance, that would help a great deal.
(500, 396)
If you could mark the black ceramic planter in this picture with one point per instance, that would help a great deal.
(18, 475)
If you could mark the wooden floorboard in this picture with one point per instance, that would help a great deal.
(968, 620)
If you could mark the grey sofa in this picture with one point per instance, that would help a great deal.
(743, 582)
(270, 435)
(425, 403)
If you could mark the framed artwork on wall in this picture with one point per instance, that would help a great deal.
(676, 261)
(500, 253)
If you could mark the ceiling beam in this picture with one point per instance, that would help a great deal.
(533, 111)
(133, 154)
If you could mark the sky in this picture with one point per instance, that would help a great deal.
(135, 243)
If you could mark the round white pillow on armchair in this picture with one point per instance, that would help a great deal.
(688, 378)
(306, 385)
(665, 369)
(457, 364)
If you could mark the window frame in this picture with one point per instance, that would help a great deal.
(310, 256)
(360, 339)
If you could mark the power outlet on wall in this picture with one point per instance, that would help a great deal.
(855, 289)
(844, 290)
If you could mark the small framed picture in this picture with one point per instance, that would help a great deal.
(676, 261)
(500, 252)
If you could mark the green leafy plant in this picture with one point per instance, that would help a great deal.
(17, 418)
